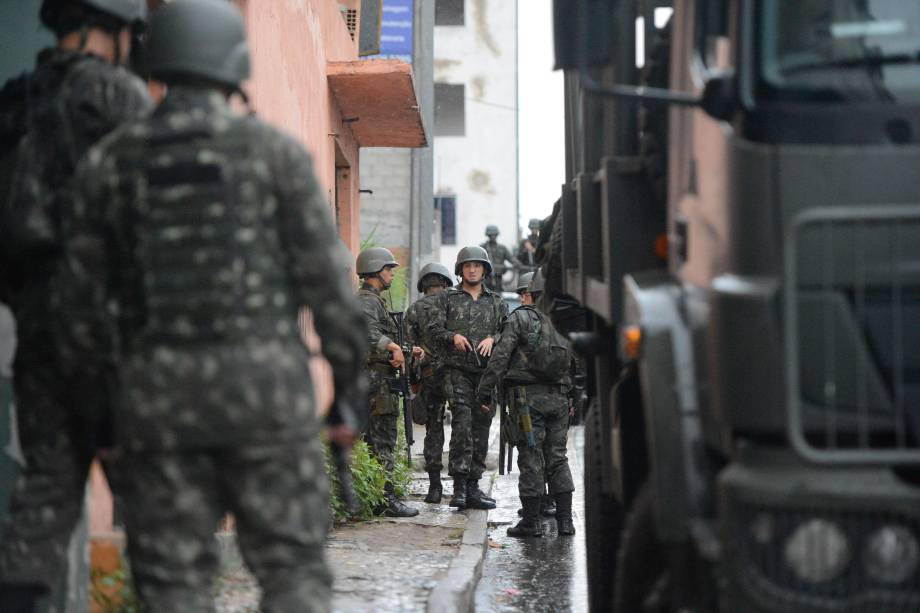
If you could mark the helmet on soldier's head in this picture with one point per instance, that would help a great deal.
(492, 230)
(436, 270)
(534, 224)
(536, 283)
(473, 253)
(199, 39)
(523, 282)
(63, 16)
(373, 260)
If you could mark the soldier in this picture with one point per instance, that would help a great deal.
(376, 267)
(78, 93)
(433, 278)
(200, 235)
(527, 250)
(534, 360)
(499, 255)
(468, 318)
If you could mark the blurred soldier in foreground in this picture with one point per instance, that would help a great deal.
(467, 320)
(376, 267)
(78, 93)
(433, 278)
(527, 250)
(202, 233)
(499, 255)
(534, 360)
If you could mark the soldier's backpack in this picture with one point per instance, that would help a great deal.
(548, 353)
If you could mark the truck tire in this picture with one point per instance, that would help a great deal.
(603, 519)
(641, 563)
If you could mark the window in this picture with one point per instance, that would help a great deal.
(448, 207)
(448, 13)
(449, 109)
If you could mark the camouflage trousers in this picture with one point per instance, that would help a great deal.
(382, 428)
(431, 398)
(469, 436)
(279, 496)
(546, 463)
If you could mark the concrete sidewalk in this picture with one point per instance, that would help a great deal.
(428, 562)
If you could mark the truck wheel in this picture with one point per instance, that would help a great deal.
(642, 582)
(603, 519)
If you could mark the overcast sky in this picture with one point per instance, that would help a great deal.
(540, 103)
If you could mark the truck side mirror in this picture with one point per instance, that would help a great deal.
(720, 96)
(582, 32)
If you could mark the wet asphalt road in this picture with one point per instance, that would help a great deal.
(535, 574)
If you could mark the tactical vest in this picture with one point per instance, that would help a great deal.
(208, 241)
(382, 317)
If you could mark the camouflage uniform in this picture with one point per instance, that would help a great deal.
(498, 255)
(528, 257)
(56, 114)
(458, 313)
(548, 403)
(433, 386)
(381, 331)
(203, 233)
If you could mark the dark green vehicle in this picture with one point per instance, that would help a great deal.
(741, 225)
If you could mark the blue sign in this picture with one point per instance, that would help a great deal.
(397, 29)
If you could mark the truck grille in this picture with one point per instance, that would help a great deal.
(852, 328)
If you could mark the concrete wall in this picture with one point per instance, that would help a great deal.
(385, 214)
(480, 168)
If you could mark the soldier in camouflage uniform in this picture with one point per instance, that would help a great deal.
(78, 93)
(376, 267)
(433, 278)
(466, 324)
(527, 250)
(200, 235)
(546, 397)
(499, 255)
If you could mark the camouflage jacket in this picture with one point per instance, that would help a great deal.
(528, 257)
(418, 317)
(458, 313)
(199, 235)
(381, 329)
(499, 255)
(48, 120)
(508, 365)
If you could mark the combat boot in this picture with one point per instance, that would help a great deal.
(459, 498)
(547, 506)
(476, 498)
(435, 489)
(393, 506)
(20, 598)
(530, 524)
(564, 524)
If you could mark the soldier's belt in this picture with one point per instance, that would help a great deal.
(535, 387)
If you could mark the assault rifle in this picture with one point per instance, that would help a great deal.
(343, 413)
(399, 383)
(505, 444)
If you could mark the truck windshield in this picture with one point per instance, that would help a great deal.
(839, 50)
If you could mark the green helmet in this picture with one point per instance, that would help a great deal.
(536, 283)
(434, 268)
(534, 224)
(373, 260)
(129, 11)
(473, 253)
(203, 39)
(492, 230)
(523, 282)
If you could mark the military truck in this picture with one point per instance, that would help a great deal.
(740, 226)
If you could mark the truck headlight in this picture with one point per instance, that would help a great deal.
(817, 551)
(891, 554)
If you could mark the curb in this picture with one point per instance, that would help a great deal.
(454, 593)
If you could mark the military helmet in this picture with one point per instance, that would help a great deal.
(523, 282)
(203, 39)
(64, 16)
(373, 260)
(434, 268)
(472, 253)
(129, 11)
(536, 283)
(534, 224)
(492, 230)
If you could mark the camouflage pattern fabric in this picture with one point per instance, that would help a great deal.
(499, 255)
(469, 434)
(279, 496)
(200, 234)
(549, 415)
(382, 430)
(71, 100)
(432, 391)
(528, 257)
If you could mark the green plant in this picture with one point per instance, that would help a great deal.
(368, 479)
(112, 591)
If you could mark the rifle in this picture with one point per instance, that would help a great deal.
(399, 383)
(526, 422)
(342, 413)
(504, 437)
